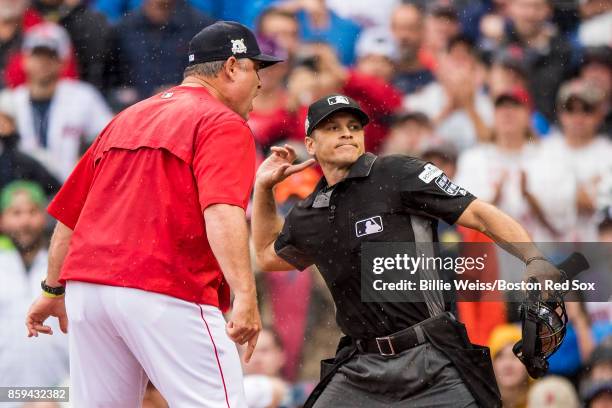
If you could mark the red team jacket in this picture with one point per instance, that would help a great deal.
(135, 199)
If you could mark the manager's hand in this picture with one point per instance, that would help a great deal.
(43, 308)
(245, 323)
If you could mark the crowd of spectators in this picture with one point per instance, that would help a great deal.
(511, 98)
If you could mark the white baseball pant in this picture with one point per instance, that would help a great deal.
(119, 337)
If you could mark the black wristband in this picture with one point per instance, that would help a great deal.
(60, 290)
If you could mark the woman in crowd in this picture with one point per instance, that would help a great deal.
(511, 375)
(514, 173)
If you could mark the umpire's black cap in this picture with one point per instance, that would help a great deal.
(322, 108)
(224, 39)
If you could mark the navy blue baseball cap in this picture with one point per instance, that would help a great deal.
(326, 106)
(224, 39)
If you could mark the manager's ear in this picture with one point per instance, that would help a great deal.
(231, 67)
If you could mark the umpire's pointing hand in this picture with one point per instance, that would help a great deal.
(245, 323)
(279, 165)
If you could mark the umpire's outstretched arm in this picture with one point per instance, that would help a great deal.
(510, 235)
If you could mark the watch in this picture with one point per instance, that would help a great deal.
(58, 291)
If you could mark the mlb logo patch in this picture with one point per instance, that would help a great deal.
(191, 57)
(369, 226)
(167, 95)
(333, 100)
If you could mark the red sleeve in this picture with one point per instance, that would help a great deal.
(224, 164)
(67, 205)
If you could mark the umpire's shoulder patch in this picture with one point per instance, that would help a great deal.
(450, 188)
(429, 173)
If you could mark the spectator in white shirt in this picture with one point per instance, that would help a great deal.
(376, 53)
(515, 174)
(586, 154)
(56, 118)
(25, 363)
(459, 108)
(595, 29)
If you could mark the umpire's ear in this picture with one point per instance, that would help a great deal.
(311, 144)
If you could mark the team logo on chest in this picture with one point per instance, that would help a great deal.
(372, 225)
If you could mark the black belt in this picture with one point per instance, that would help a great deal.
(394, 343)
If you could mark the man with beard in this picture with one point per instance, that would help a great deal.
(25, 363)
(407, 30)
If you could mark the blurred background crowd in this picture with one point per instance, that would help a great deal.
(511, 98)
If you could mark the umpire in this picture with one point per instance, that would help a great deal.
(394, 354)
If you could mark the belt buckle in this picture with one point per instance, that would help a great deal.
(382, 340)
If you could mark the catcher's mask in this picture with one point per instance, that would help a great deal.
(544, 327)
(545, 321)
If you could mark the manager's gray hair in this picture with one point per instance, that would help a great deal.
(207, 69)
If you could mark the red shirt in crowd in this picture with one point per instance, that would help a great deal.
(14, 72)
(379, 100)
(135, 199)
(376, 97)
(15, 75)
(274, 125)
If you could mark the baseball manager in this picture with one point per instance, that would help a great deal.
(152, 234)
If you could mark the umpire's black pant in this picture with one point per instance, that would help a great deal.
(418, 377)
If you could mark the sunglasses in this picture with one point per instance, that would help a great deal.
(580, 108)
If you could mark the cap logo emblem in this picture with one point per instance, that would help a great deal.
(191, 57)
(238, 46)
(333, 100)
(306, 125)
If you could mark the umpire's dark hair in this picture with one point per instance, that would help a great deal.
(206, 69)
(273, 11)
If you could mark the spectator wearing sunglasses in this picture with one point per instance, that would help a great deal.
(581, 110)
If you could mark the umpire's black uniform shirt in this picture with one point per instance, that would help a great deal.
(383, 199)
